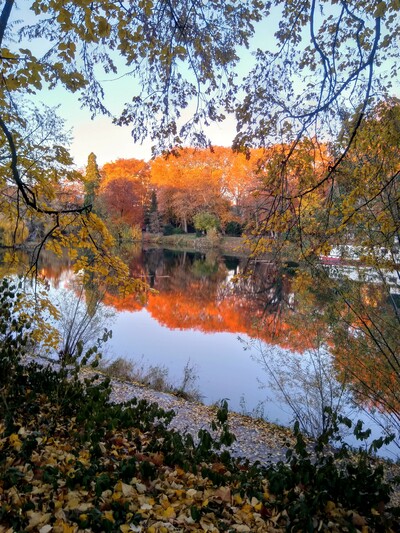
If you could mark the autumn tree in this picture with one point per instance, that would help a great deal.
(136, 169)
(365, 199)
(124, 194)
(186, 183)
(215, 180)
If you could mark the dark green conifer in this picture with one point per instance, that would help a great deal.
(92, 179)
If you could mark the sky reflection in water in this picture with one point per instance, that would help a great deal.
(224, 368)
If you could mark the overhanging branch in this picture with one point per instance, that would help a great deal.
(28, 195)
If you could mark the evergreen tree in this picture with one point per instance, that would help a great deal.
(92, 179)
(154, 218)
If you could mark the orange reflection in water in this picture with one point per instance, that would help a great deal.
(195, 291)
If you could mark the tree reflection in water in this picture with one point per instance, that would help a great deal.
(296, 309)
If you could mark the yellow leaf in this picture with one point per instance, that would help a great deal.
(238, 499)
(169, 512)
(13, 494)
(165, 502)
(73, 503)
(109, 515)
(104, 27)
(68, 529)
(247, 508)
(330, 506)
(15, 442)
(380, 9)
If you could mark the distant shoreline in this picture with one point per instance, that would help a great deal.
(191, 242)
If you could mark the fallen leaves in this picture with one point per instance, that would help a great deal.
(61, 487)
(54, 478)
(15, 441)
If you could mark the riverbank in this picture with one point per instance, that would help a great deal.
(256, 439)
(75, 458)
(190, 242)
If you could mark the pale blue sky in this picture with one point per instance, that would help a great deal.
(99, 135)
(110, 142)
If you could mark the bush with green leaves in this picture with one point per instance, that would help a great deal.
(169, 229)
(205, 221)
(328, 474)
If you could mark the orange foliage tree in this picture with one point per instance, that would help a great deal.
(214, 180)
(124, 191)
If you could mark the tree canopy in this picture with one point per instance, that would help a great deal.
(124, 191)
(312, 84)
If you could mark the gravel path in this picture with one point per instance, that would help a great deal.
(256, 439)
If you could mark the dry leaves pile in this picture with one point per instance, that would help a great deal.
(53, 482)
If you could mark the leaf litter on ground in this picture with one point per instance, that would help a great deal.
(67, 469)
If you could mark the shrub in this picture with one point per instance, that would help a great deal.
(322, 479)
(169, 229)
(205, 221)
(234, 228)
